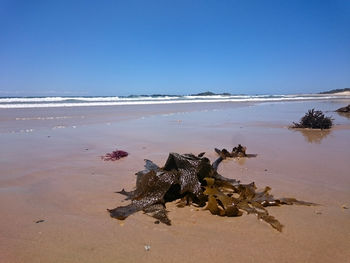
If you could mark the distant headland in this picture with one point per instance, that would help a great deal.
(209, 93)
(206, 93)
(333, 91)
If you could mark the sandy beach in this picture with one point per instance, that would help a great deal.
(51, 170)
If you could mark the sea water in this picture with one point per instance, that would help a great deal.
(43, 102)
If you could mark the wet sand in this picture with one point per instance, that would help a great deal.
(50, 169)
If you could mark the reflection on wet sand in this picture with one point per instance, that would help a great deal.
(314, 136)
(344, 114)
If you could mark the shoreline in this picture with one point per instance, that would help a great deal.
(71, 102)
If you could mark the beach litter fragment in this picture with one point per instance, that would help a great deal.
(314, 119)
(115, 155)
(147, 247)
(193, 180)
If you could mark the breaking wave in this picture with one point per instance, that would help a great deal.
(45, 102)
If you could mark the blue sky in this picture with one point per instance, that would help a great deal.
(51, 48)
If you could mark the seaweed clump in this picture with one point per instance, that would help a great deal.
(345, 109)
(314, 119)
(115, 155)
(193, 180)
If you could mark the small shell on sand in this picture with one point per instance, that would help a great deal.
(147, 247)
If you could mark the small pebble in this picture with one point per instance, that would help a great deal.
(156, 222)
(39, 221)
(265, 170)
(345, 206)
(147, 247)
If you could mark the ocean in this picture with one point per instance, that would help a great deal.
(46, 102)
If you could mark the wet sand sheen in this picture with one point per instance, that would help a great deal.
(56, 175)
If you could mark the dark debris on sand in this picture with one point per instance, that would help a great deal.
(314, 119)
(193, 180)
(115, 155)
(345, 109)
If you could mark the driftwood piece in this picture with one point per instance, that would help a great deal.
(193, 180)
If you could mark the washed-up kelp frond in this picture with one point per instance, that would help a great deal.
(115, 155)
(228, 200)
(314, 119)
(194, 180)
(345, 109)
(239, 151)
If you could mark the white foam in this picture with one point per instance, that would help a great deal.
(116, 101)
(56, 99)
(59, 127)
(88, 99)
(43, 118)
(144, 102)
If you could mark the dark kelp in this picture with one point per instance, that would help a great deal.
(192, 179)
(345, 109)
(115, 155)
(314, 119)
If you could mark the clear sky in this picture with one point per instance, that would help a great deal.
(51, 48)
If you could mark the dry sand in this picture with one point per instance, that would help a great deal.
(50, 170)
(343, 93)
